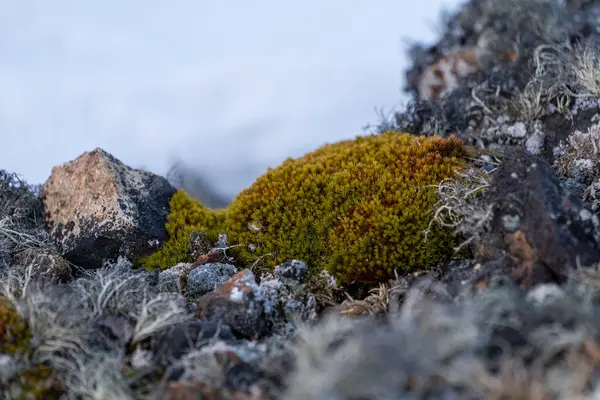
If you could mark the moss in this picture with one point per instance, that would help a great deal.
(186, 215)
(14, 333)
(35, 381)
(38, 382)
(358, 207)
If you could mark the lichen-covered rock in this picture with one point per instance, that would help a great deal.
(207, 277)
(177, 340)
(291, 271)
(252, 310)
(173, 279)
(236, 302)
(97, 208)
(544, 228)
(45, 262)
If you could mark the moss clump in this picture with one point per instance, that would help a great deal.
(358, 207)
(14, 333)
(186, 215)
(35, 382)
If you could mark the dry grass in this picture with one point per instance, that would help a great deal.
(561, 72)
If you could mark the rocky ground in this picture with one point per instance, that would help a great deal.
(518, 80)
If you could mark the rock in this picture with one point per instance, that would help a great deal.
(97, 208)
(252, 370)
(544, 294)
(208, 277)
(236, 302)
(191, 390)
(199, 244)
(293, 270)
(8, 368)
(117, 327)
(179, 339)
(543, 228)
(173, 279)
(284, 302)
(446, 72)
(45, 262)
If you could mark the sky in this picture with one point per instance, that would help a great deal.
(228, 87)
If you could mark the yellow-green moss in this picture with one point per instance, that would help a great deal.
(186, 215)
(357, 208)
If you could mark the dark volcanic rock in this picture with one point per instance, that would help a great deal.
(544, 228)
(97, 208)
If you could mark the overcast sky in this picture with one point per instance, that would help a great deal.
(231, 87)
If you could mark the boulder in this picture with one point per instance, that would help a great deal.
(538, 225)
(97, 208)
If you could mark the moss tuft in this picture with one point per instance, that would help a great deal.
(186, 215)
(14, 333)
(358, 207)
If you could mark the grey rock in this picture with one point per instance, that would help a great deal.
(8, 368)
(172, 279)
(292, 270)
(117, 327)
(207, 277)
(173, 343)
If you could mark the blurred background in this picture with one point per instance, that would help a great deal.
(210, 92)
